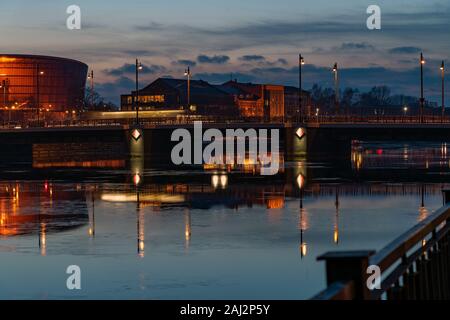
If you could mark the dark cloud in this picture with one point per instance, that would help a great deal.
(187, 63)
(222, 59)
(111, 91)
(128, 68)
(282, 61)
(356, 46)
(152, 26)
(252, 58)
(404, 50)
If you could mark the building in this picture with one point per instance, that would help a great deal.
(270, 102)
(50, 83)
(257, 100)
(292, 102)
(172, 94)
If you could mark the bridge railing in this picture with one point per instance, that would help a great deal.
(128, 121)
(321, 119)
(415, 266)
(388, 119)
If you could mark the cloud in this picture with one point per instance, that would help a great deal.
(128, 68)
(213, 59)
(282, 61)
(252, 58)
(404, 50)
(138, 53)
(111, 91)
(356, 46)
(152, 26)
(184, 62)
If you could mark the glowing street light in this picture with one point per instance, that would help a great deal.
(443, 88)
(187, 73)
(139, 67)
(422, 100)
(336, 86)
(91, 78)
(301, 63)
(39, 73)
(4, 85)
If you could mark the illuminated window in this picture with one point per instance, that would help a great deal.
(153, 98)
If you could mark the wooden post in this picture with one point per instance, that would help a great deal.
(446, 195)
(349, 266)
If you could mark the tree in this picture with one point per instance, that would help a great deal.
(94, 101)
(322, 98)
(377, 96)
(348, 96)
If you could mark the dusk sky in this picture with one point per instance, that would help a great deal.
(251, 40)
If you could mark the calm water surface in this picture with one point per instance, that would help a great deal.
(207, 233)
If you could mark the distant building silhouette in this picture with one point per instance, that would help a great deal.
(249, 100)
(165, 94)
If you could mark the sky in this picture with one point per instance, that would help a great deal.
(247, 40)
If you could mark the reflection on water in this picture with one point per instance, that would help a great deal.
(423, 155)
(213, 232)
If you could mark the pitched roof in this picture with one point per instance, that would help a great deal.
(197, 87)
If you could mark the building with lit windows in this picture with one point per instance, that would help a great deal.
(257, 100)
(29, 82)
(172, 94)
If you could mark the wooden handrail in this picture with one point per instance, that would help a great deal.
(400, 246)
(396, 258)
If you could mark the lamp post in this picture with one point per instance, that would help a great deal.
(443, 89)
(187, 73)
(422, 100)
(336, 87)
(301, 62)
(91, 78)
(138, 68)
(38, 94)
(4, 86)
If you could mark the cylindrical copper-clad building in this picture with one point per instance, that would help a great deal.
(32, 81)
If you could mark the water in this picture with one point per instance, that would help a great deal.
(207, 234)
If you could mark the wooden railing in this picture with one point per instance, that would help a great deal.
(415, 266)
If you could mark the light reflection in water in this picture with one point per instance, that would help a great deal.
(303, 226)
(187, 228)
(336, 219)
(43, 239)
(91, 230)
(212, 198)
(366, 155)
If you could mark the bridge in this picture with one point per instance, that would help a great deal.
(313, 137)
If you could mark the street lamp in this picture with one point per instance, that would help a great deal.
(91, 78)
(39, 73)
(138, 68)
(422, 100)
(4, 85)
(187, 73)
(336, 86)
(443, 89)
(301, 62)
